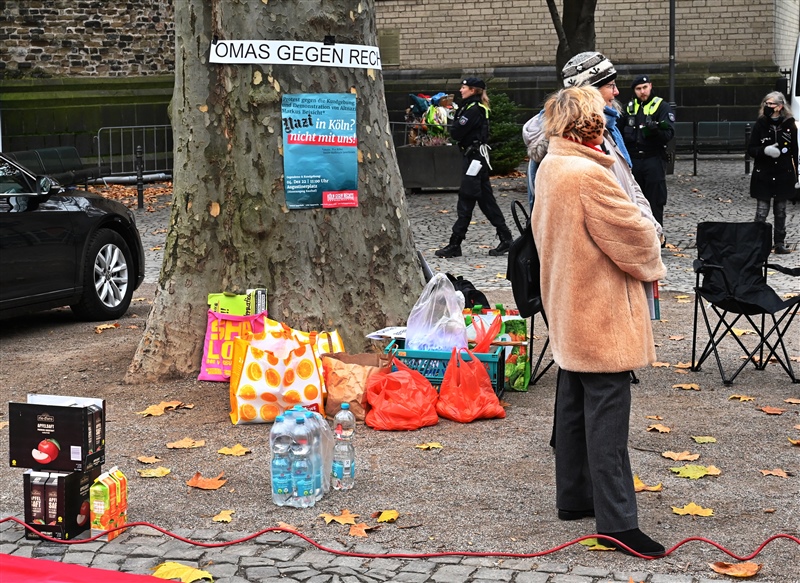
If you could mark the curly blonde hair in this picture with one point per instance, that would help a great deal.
(569, 111)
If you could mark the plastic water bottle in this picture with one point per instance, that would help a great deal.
(281, 466)
(343, 471)
(302, 466)
(315, 453)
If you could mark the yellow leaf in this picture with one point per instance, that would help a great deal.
(797, 426)
(156, 410)
(741, 570)
(99, 329)
(687, 386)
(792, 401)
(695, 472)
(683, 456)
(198, 481)
(713, 471)
(677, 337)
(429, 445)
(704, 439)
(224, 516)
(681, 297)
(742, 332)
(680, 370)
(186, 574)
(683, 365)
(346, 517)
(148, 459)
(660, 365)
(3, 424)
(287, 525)
(693, 509)
(741, 398)
(772, 410)
(236, 450)
(654, 417)
(640, 486)
(158, 472)
(776, 472)
(187, 443)
(660, 428)
(793, 441)
(388, 516)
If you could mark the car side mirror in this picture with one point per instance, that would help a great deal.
(44, 185)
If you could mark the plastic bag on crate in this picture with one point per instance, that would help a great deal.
(400, 400)
(436, 321)
(466, 393)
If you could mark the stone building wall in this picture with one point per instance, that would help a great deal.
(73, 38)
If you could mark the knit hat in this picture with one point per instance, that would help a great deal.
(474, 82)
(589, 68)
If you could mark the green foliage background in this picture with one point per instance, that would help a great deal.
(505, 135)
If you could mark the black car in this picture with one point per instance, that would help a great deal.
(64, 247)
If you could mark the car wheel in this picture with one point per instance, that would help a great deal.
(108, 278)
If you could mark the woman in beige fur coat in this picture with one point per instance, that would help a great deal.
(595, 249)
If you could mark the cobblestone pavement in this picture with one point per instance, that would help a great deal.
(719, 192)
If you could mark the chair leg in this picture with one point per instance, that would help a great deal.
(779, 328)
(536, 374)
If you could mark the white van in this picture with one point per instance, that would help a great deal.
(794, 83)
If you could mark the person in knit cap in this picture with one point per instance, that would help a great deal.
(592, 68)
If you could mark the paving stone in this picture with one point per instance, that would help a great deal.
(306, 574)
(274, 537)
(447, 559)
(139, 540)
(111, 562)
(410, 577)
(7, 548)
(186, 554)
(340, 570)
(231, 580)
(323, 578)
(219, 570)
(234, 535)
(352, 562)
(90, 547)
(11, 536)
(314, 556)
(139, 564)
(628, 575)
(386, 564)
(561, 578)
(273, 580)
(553, 568)
(282, 553)
(419, 566)
(78, 558)
(49, 550)
(518, 564)
(23, 552)
(531, 577)
(590, 571)
(240, 550)
(656, 578)
(493, 574)
(143, 551)
(257, 573)
(369, 548)
(480, 561)
(453, 573)
(381, 574)
(248, 561)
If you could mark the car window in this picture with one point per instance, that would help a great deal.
(13, 180)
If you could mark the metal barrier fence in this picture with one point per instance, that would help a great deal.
(116, 147)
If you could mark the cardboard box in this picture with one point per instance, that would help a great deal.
(253, 301)
(57, 503)
(53, 433)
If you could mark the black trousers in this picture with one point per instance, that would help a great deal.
(651, 175)
(593, 469)
(779, 212)
(477, 189)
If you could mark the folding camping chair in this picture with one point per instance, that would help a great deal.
(732, 260)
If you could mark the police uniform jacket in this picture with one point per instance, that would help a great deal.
(596, 249)
(643, 142)
(471, 124)
(773, 177)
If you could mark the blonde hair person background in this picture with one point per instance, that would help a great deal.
(773, 147)
(595, 249)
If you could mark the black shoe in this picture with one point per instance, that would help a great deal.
(782, 250)
(501, 249)
(452, 250)
(663, 241)
(636, 540)
(575, 514)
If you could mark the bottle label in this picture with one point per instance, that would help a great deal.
(305, 486)
(282, 485)
(343, 468)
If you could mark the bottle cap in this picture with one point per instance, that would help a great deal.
(345, 405)
(300, 420)
(279, 419)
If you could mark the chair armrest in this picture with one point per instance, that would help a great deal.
(794, 271)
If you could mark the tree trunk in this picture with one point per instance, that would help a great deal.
(575, 30)
(351, 269)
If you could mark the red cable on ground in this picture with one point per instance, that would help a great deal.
(409, 555)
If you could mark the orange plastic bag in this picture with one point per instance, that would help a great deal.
(484, 337)
(466, 393)
(400, 400)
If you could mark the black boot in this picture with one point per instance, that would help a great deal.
(453, 249)
(505, 242)
(636, 540)
(781, 249)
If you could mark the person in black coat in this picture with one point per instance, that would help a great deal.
(470, 130)
(773, 147)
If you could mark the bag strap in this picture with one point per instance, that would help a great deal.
(522, 210)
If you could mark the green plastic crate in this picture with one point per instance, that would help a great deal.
(433, 363)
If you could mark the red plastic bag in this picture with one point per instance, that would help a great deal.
(400, 400)
(466, 393)
(483, 337)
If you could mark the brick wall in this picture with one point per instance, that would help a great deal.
(520, 32)
(86, 38)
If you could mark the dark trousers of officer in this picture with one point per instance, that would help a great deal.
(593, 469)
(779, 212)
(477, 189)
(651, 174)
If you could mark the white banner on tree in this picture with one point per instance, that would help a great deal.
(274, 52)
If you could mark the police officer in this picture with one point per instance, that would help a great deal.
(470, 129)
(647, 126)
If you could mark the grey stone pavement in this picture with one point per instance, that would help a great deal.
(719, 192)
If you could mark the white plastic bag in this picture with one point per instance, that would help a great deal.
(436, 321)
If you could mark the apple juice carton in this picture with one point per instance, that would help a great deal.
(52, 433)
(108, 503)
(64, 512)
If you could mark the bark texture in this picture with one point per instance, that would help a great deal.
(575, 30)
(353, 269)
